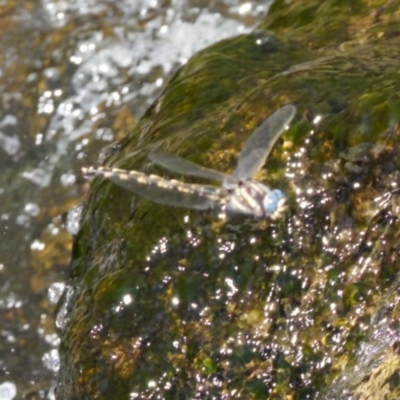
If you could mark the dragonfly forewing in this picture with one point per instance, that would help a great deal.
(260, 143)
(159, 190)
(185, 167)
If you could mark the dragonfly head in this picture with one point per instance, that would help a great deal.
(274, 203)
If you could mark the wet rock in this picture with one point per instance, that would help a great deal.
(170, 303)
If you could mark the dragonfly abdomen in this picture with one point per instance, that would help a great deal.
(160, 190)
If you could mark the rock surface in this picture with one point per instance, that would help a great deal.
(170, 303)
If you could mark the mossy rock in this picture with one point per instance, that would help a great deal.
(172, 303)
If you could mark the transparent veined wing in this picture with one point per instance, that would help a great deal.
(260, 143)
(159, 190)
(185, 167)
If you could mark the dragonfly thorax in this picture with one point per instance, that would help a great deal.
(254, 199)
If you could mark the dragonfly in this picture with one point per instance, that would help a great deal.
(238, 192)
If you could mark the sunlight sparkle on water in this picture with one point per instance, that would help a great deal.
(161, 248)
(383, 200)
(73, 220)
(51, 360)
(293, 339)
(175, 301)
(127, 299)
(32, 209)
(7, 391)
(163, 29)
(37, 245)
(75, 60)
(245, 8)
(327, 176)
(304, 204)
(232, 286)
(39, 139)
(55, 291)
(317, 120)
(68, 179)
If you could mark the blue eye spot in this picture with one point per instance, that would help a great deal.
(272, 201)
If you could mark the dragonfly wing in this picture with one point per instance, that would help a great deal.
(184, 167)
(260, 143)
(159, 190)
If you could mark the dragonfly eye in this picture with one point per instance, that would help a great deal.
(274, 203)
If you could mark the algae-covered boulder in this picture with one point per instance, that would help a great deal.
(171, 303)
